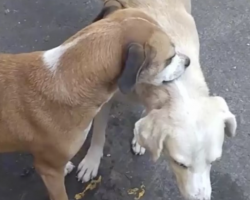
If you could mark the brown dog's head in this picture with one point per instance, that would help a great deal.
(149, 56)
(155, 62)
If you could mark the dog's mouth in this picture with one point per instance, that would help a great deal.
(172, 80)
(176, 69)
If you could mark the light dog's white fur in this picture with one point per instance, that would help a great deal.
(186, 123)
(191, 133)
(173, 71)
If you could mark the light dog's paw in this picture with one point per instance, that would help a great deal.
(137, 149)
(88, 168)
(68, 168)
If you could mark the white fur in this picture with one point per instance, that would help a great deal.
(137, 148)
(88, 168)
(173, 71)
(190, 129)
(68, 168)
(51, 58)
(199, 184)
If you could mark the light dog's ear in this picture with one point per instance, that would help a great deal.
(228, 117)
(137, 57)
(109, 7)
(150, 136)
(230, 125)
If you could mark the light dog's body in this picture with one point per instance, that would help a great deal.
(174, 17)
(49, 99)
(185, 123)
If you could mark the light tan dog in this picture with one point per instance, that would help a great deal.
(186, 123)
(49, 99)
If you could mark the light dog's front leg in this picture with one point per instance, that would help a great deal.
(136, 147)
(88, 167)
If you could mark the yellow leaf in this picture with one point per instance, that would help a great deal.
(92, 185)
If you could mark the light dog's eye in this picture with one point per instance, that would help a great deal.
(180, 164)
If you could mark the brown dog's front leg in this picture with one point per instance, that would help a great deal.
(53, 178)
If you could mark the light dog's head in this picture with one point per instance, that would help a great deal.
(192, 139)
(149, 56)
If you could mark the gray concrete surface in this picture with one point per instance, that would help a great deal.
(224, 28)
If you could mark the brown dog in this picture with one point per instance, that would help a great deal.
(49, 99)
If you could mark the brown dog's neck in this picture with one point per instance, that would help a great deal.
(83, 70)
(92, 60)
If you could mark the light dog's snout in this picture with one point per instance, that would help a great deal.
(200, 196)
(203, 193)
(197, 185)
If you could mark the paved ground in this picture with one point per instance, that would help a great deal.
(224, 28)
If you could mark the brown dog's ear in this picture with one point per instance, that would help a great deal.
(135, 60)
(110, 6)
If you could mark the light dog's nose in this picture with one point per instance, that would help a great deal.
(185, 59)
(187, 62)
